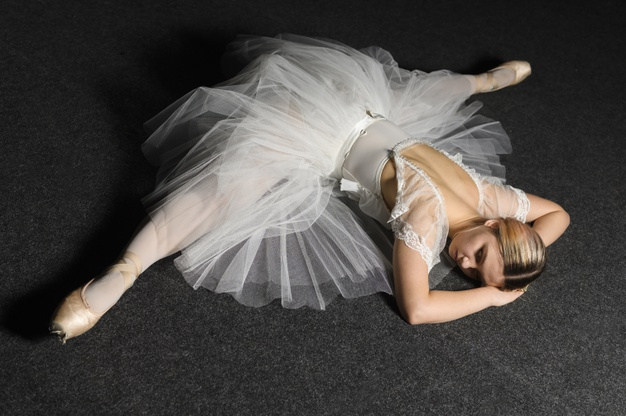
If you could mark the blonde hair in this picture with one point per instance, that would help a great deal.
(522, 249)
(523, 253)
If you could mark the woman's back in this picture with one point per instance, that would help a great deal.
(457, 188)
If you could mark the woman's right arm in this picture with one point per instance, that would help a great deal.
(419, 305)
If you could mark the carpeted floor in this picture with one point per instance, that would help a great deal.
(78, 79)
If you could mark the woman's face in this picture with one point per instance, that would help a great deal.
(477, 254)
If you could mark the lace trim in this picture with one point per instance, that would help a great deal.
(403, 231)
(406, 143)
(523, 205)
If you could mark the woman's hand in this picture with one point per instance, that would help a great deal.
(501, 297)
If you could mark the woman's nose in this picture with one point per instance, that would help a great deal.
(466, 262)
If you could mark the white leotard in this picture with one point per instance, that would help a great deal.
(366, 159)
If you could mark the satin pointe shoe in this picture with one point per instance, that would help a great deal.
(522, 71)
(74, 317)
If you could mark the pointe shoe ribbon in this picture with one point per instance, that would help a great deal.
(74, 317)
(521, 69)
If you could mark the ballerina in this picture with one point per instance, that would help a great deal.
(256, 177)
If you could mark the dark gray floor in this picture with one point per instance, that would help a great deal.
(77, 80)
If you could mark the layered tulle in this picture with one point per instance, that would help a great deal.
(246, 187)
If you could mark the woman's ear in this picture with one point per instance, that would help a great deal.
(492, 223)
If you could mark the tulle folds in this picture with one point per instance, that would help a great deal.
(246, 186)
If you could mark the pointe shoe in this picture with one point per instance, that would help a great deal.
(522, 71)
(74, 317)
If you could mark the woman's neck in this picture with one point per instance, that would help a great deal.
(458, 225)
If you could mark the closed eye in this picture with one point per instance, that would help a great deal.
(479, 255)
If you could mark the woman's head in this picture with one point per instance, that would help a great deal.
(505, 253)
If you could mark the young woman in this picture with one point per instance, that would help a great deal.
(255, 174)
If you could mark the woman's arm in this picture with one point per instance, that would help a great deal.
(419, 305)
(549, 219)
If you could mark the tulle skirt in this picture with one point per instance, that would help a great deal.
(246, 187)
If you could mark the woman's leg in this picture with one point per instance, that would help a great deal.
(104, 291)
(505, 75)
(175, 224)
(159, 236)
(167, 230)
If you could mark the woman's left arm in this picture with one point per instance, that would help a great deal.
(420, 305)
(549, 219)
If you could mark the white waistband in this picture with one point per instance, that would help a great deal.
(352, 137)
(364, 160)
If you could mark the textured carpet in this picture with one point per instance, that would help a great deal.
(78, 79)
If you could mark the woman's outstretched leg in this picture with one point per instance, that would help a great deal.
(141, 253)
(82, 308)
(459, 85)
(166, 231)
(506, 75)
(178, 222)
(157, 237)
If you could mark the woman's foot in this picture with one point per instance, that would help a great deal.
(508, 74)
(82, 308)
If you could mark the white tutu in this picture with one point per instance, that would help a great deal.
(245, 186)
